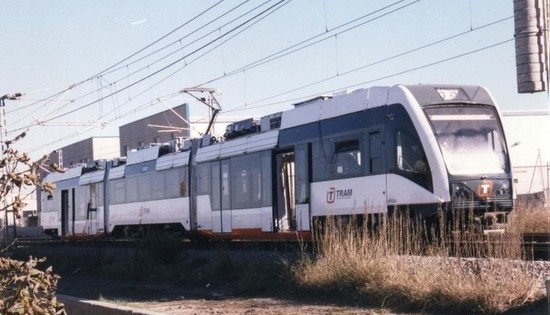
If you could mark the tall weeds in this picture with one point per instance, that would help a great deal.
(401, 262)
(529, 218)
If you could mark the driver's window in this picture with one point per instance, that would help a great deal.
(410, 156)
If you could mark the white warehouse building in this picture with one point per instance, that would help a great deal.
(528, 136)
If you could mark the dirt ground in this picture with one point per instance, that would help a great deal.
(250, 306)
(171, 299)
(181, 300)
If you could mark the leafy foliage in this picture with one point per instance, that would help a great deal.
(26, 289)
(18, 172)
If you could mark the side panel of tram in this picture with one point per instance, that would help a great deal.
(149, 192)
(367, 159)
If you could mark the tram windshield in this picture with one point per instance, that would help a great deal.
(470, 138)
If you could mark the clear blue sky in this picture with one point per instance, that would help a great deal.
(50, 45)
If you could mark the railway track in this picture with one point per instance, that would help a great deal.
(109, 242)
(536, 245)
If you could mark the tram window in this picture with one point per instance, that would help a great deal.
(100, 194)
(203, 179)
(157, 188)
(131, 189)
(375, 153)
(172, 182)
(226, 182)
(301, 160)
(119, 191)
(265, 160)
(144, 187)
(246, 181)
(336, 158)
(184, 187)
(215, 194)
(82, 197)
(348, 157)
(410, 156)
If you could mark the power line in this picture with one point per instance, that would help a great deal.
(157, 71)
(200, 56)
(431, 64)
(187, 35)
(300, 46)
(385, 59)
(132, 55)
(264, 60)
(128, 75)
(110, 69)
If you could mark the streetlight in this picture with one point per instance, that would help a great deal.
(4, 134)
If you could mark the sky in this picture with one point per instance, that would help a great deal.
(261, 56)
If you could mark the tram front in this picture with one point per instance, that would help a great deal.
(473, 146)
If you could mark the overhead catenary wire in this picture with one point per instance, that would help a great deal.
(257, 64)
(261, 61)
(314, 40)
(265, 59)
(179, 40)
(129, 74)
(407, 52)
(218, 29)
(159, 70)
(70, 87)
(288, 101)
(177, 70)
(140, 108)
(431, 64)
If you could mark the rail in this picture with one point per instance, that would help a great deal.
(538, 244)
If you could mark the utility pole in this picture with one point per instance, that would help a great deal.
(532, 39)
(3, 138)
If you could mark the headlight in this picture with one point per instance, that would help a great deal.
(461, 191)
(504, 188)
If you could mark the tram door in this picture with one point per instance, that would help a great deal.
(285, 210)
(64, 212)
(292, 172)
(302, 162)
(221, 207)
(226, 206)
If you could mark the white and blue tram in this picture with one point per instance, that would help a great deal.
(418, 146)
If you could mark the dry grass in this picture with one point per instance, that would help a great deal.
(388, 267)
(529, 219)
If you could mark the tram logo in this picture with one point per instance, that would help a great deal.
(485, 189)
(333, 194)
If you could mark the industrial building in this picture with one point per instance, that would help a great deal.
(158, 128)
(86, 151)
(527, 133)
